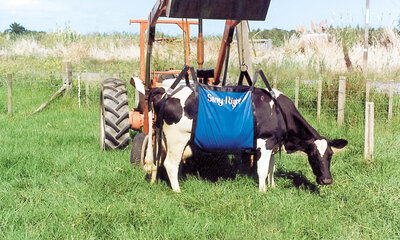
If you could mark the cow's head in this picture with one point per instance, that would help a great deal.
(319, 156)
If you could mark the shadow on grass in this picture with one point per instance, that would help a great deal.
(210, 167)
(215, 167)
(298, 180)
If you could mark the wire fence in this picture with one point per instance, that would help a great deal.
(355, 100)
(88, 87)
(30, 90)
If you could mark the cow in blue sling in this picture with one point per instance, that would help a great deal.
(254, 120)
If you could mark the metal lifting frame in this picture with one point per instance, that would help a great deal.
(184, 25)
(157, 11)
(241, 9)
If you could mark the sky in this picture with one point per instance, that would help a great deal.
(89, 16)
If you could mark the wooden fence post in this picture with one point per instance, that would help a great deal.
(296, 92)
(87, 92)
(367, 90)
(102, 78)
(9, 77)
(79, 90)
(341, 100)
(369, 131)
(85, 80)
(275, 83)
(319, 99)
(390, 109)
(67, 74)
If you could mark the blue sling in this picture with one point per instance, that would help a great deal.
(224, 121)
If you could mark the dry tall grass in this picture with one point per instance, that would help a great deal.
(322, 52)
(99, 47)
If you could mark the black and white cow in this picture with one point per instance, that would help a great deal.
(297, 134)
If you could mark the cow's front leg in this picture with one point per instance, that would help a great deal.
(149, 166)
(263, 164)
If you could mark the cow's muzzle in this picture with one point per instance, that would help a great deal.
(324, 181)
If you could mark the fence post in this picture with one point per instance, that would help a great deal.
(341, 100)
(367, 90)
(390, 109)
(296, 92)
(275, 83)
(87, 91)
(319, 99)
(102, 78)
(9, 77)
(369, 131)
(67, 74)
(79, 90)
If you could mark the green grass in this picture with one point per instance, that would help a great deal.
(56, 183)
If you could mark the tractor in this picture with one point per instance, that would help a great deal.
(116, 119)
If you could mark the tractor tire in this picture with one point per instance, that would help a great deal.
(136, 150)
(114, 115)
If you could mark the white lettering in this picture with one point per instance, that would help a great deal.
(220, 101)
(233, 101)
(216, 100)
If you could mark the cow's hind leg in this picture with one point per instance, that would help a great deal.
(171, 163)
(263, 164)
(176, 144)
(271, 170)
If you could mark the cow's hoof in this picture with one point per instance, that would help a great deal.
(149, 168)
(153, 176)
(262, 189)
(151, 171)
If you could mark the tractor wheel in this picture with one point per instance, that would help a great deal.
(114, 115)
(136, 150)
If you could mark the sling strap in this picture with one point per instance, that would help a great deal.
(184, 73)
(159, 122)
(278, 106)
(242, 75)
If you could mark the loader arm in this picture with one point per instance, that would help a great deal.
(226, 42)
(158, 11)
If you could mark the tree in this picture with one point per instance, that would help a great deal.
(16, 28)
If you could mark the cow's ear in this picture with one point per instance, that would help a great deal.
(337, 144)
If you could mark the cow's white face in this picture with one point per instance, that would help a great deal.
(320, 155)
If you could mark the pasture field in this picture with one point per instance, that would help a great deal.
(56, 183)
